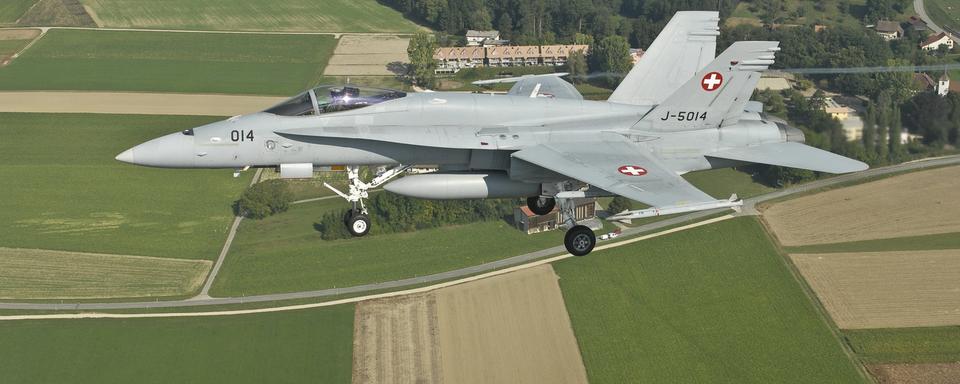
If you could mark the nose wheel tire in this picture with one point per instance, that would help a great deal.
(358, 225)
(580, 240)
(541, 205)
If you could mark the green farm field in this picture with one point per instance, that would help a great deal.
(284, 253)
(170, 62)
(906, 345)
(313, 345)
(714, 304)
(11, 10)
(946, 13)
(252, 15)
(63, 190)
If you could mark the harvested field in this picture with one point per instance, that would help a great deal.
(397, 341)
(512, 328)
(359, 55)
(43, 274)
(914, 204)
(916, 373)
(886, 289)
(134, 103)
(19, 34)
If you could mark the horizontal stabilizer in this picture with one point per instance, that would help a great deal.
(793, 155)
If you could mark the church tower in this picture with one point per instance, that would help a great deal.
(943, 86)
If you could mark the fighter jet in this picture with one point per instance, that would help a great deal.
(679, 110)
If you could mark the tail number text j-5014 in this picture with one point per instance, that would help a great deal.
(241, 135)
(684, 116)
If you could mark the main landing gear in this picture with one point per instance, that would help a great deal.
(357, 219)
(579, 239)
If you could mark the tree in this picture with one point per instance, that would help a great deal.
(896, 128)
(264, 199)
(870, 130)
(420, 52)
(619, 204)
(577, 67)
(612, 58)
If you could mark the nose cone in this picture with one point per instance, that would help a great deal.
(126, 156)
(171, 151)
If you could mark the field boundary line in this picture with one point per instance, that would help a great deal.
(43, 32)
(99, 315)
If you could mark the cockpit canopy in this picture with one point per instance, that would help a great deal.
(333, 98)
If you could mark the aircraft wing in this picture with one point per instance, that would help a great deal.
(546, 85)
(794, 155)
(620, 167)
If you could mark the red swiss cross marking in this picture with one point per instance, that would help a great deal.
(632, 170)
(712, 81)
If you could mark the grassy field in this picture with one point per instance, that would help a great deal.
(259, 15)
(170, 62)
(9, 47)
(63, 190)
(715, 304)
(313, 345)
(11, 10)
(907, 345)
(41, 274)
(285, 252)
(946, 13)
(800, 13)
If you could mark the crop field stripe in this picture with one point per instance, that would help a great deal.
(95, 315)
(44, 274)
(259, 64)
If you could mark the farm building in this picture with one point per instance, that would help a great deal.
(484, 38)
(889, 30)
(934, 42)
(453, 59)
(917, 24)
(529, 222)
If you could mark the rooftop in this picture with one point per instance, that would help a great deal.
(484, 34)
(933, 39)
(888, 26)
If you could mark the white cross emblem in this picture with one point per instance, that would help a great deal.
(632, 170)
(712, 81)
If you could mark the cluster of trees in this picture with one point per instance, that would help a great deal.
(393, 213)
(554, 21)
(264, 199)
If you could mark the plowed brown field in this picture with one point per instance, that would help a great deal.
(886, 289)
(512, 328)
(914, 204)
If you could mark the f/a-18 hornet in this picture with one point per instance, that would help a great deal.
(679, 110)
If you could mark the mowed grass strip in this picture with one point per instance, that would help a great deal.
(313, 345)
(11, 10)
(906, 345)
(714, 304)
(284, 253)
(42, 274)
(257, 15)
(63, 190)
(170, 62)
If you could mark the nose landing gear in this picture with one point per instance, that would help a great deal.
(357, 219)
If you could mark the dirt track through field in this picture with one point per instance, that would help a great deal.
(134, 103)
(886, 289)
(512, 328)
(948, 373)
(361, 55)
(914, 204)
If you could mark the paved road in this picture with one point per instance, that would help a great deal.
(749, 205)
(922, 13)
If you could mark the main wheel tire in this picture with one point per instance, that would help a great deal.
(347, 216)
(541, 208)
(359, 225)
(580, 240)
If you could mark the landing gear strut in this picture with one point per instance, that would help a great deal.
(357, 219)
(579, 239)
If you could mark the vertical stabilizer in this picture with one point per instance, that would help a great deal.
(686, 45)
(717, 95)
